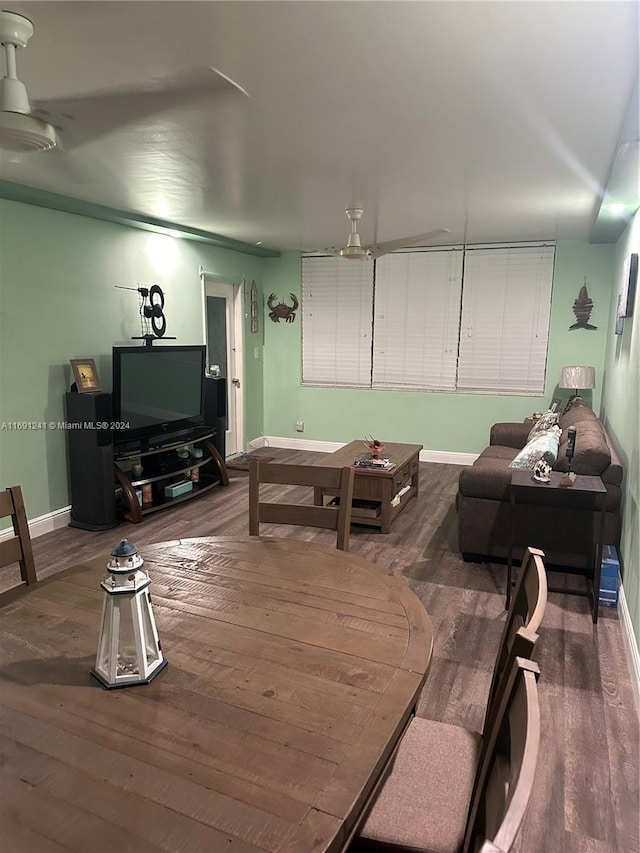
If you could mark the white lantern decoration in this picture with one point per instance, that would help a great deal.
(129, 650)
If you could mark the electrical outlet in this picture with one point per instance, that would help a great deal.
(256, 352)
(299, 426)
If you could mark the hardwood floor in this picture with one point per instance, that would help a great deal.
(586, 795)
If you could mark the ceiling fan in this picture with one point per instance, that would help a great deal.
(24, 128)
(355, 250)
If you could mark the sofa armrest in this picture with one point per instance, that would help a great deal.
(510, 434)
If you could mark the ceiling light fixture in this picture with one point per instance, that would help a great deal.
(19, 129)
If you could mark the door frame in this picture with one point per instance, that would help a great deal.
(238, 286)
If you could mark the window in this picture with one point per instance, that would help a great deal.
(505, 319)
(337, 300)
(417, 318)
(462, 319)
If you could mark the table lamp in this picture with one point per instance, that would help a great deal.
(578, 378)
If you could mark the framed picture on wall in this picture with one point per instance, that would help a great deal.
(85, 374)
(629, 284)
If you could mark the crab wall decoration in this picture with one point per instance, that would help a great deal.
(281, 311)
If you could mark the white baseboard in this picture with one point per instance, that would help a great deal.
(444, 456)
(256, 443)
(302, 444)
(630, 645)
(43, 524)
(448, 457)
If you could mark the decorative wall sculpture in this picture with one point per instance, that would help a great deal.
(281, 311)
(582, 308)
(254, 308)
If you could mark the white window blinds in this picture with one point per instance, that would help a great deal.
(505, 319)
(417, 318)
(337, 297)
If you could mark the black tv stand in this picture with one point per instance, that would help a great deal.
(190, 462)
(104, 488)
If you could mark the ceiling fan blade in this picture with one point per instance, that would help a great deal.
(407, 242)
(81, 119)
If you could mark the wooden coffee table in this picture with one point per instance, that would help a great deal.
(377, 485)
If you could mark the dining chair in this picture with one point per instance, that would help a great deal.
(518, 640)
(337, 517)
(444, 796)
(508, 769)
(528, 603)
(17, 548)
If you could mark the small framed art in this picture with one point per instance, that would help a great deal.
(85, 374)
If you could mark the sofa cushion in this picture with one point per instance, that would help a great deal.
(510, 434)
(489, 477)
(592, 455)
(577, 414)
(498, 451)
(542, 446)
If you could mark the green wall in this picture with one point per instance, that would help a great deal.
(58, 301)
(621, 414)
(451, 422)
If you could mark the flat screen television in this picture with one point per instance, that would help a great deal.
(157, 390)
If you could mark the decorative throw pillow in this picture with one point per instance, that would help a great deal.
(543, 446)
(545, 422)
(591, 455)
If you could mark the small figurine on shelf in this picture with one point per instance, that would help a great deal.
(542, 471)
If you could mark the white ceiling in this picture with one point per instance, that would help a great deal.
(498, 120)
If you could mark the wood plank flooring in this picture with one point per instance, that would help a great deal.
(586, 795)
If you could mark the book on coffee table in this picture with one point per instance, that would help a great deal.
(374, 464)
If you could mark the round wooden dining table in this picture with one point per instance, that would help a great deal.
(293, 672)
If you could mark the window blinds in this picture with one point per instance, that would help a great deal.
(337, 297)
(505, 319)
(417, 317)
(459, 319)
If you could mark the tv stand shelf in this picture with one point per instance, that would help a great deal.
(161, 466)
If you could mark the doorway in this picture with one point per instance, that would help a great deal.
(223, 336)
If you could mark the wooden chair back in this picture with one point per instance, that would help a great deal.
(528, 603)
(339, 480)
(17, 549)
(507, 770)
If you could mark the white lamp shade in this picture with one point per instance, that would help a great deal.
(578, 377)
